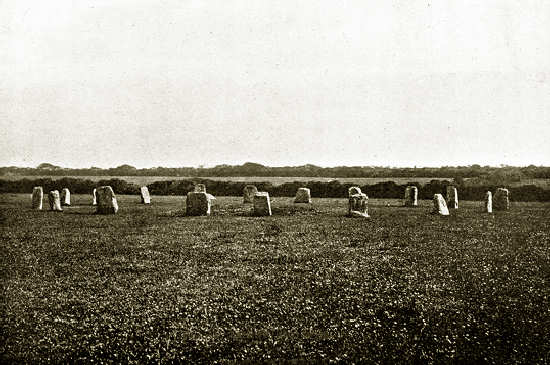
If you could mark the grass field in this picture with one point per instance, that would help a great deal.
(151, 285)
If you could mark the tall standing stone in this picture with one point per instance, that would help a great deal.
(501, 200)
(55, 201)
(248, 193)
(303, 195)
(145, 197)
(358, 205)
(65, 197)
(489, 202)
(200, 188)
(262, 205)
(452, 197)
(411, 196)
(354, 190)
(106, 200)
(440, 207)
(197, 203)
(94, 197)
(37, 197)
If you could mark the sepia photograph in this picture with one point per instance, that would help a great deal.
(303, 182)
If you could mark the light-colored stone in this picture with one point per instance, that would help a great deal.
(489, 202)
(197, 203)
(106, 200)
(248, 193)
(303, 195)
(37, 197)
(65, 196)
(94, 197)
(354, 190)
(145, 197)
(411, 196)
(440, 207)
(200, 188)
(358, 205)
(452, 197)
(262, 205)
(501, 200)
(55, 201)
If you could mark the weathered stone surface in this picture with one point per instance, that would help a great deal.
(411, 196)
(55, 201)
(501, 200)
(452, 197)
(303, 195)
(37, 197)
(197, 203)
(354, 190)
(358, 205)
(262, 205)
(440, 207)
(145, 197)
(248, 193)
(200, 188)
(94, 197)
(489, 202)
(65, 197)
(106, 200)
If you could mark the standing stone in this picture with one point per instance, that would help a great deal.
(358, 205)
(440, 207)
(502, 199)
(145, 197)
(55, 201)
(411, 196)
(354, 190)
(200, 188)
(452, 197)
(303, 195)
(197, 203)
(248, 193)
(94, 197)
(37, 196)
(489, 202)
(262, 205)
(106, 200)
(65, 197)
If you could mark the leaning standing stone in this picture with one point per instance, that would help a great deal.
(248, 193)
(55, 201)
(65, 197)
(303, 195)
(197, 203)
(37, 196)
(94, 197)
(358, 205)
(145, 197)
(440, 207)
(106, 200)
(489, 202)
(502, 199)
(200, 188)
(452, 197)
(354, 190)
(262, 205)
(411, 196)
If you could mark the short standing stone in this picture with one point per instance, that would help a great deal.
(37, 196)
(358, 205)
(262, 205)
(440, 207)
(145, 197)
(106, 200)
(94, 197)
(248, 193)
(501, 200)
(489, 202)
(411, 196)
(354, 190)
(55, 201)
(200, 188)
(452, 197)
(197, 203)
(303, 195)
(65, 197)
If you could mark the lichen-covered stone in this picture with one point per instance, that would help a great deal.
(489, 202)
(55, 201)
(145, 197)
(65, 196)
(262, 205)
(197, 203)
(440, 207)
(37, 197)
(501, 200)
(303, 195)
(248, 193)
(452, 197)
(106, 200)
(411, 196)
(358, 205)
(200, 188)
(354, 190)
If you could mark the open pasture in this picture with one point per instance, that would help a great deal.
(152, 285)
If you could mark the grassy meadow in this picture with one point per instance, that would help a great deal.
(152, 285)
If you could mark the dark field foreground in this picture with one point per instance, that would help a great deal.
(151, 285)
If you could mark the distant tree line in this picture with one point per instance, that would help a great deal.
(319, 189)
(483, 173)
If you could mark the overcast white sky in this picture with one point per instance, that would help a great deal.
(187, 83)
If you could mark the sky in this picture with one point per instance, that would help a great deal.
(359, 83)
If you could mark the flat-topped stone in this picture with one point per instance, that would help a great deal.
(501, 200)
(358, 205)
(489, 202)
(37, 197)
(197, 203)
(106, 200)
(145, 197)
(55, 201)
(440, 206)
(303, 195)
(248, 193)
(452, 197)
(262, 205)
(411, 196)
(65, 196)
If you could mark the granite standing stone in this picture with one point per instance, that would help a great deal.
(411, 196)
(197, 203)
(452, 197)
(145, 197)
(354, 190)
(248, 193)
(489, 202)
(440, 207)
(106, 200)
(65, 197)
(37, 197)
(303, 195)
(501, 200)
(262, 205)
(358, 205)
(94, 197)
(55, 201)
